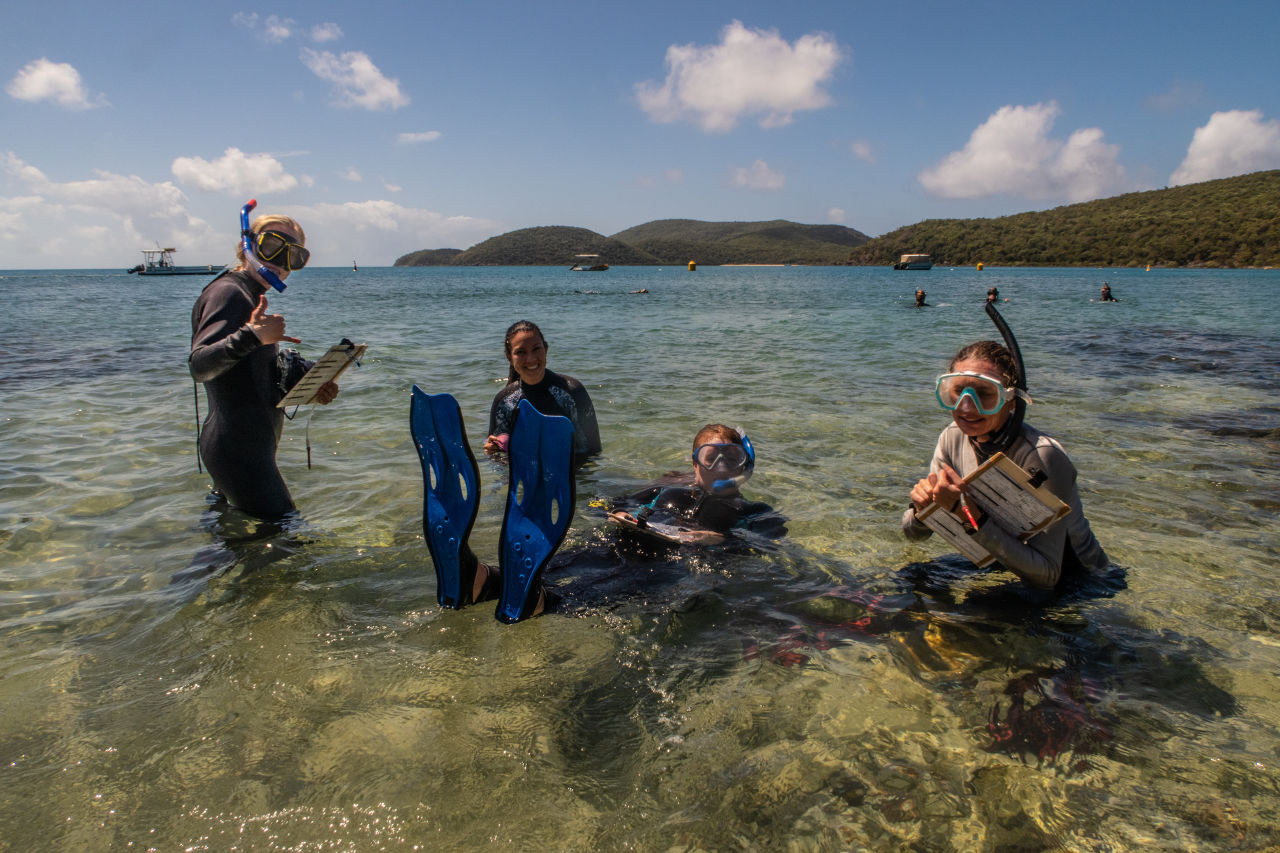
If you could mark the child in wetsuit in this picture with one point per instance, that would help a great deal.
(708, 507)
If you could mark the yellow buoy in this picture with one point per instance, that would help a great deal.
(979, 266)
(693, 265)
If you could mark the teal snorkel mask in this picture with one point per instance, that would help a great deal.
(729, 462)
(246, 239)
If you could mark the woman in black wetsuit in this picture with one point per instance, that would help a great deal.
(234, 353)
(706, 505)
(550, 393)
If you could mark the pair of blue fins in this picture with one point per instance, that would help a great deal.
(540, 499)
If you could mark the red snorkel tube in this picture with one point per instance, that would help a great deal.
(246, 239)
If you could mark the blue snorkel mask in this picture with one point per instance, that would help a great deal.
(250, 256)
(730, 462)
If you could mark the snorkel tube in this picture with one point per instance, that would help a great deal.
(1012, 428)
(250, 256)
(736, 482)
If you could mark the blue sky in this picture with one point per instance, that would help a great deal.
(391, 127)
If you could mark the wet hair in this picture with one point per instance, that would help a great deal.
(716, 434)
(996, 353)
(264, 222)
(513, 330)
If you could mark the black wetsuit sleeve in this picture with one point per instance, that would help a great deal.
(502, 412)
(587, 419)
(220, 336)
(763, 519)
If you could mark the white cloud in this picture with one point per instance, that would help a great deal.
(1181, 94)
(273, 29)
(321, 33)
(58, 82)
(749, 73)
(234, 172)
(862, 150)
(758, 176)
(391, 188)
(357, 82)
(1011, 153)
(351, 175)
(102, 220)
(1234, 142)
(675, 176)
(836, 215)
(410, 138)
(378, 232)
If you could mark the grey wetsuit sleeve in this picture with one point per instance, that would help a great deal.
(911, 528)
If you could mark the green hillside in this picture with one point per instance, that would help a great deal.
(1233, 222)
(676, 241)
(549, 245)
(428, 258)
(667, 241)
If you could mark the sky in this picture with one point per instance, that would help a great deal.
(385, 128)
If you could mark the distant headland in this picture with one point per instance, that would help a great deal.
(1227, 223)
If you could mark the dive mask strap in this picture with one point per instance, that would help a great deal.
(246, 239)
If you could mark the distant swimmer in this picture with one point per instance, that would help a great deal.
(1106, 294)
(920, 295)
(641, 290)
(993, 295)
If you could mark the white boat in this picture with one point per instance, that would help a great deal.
(914, 262)
(160, 262)
(588, 263)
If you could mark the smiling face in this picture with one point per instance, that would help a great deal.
(528, 356)
(971, 422)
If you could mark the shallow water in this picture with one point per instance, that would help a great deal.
(847, 689)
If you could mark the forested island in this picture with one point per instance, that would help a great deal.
(1228, 223)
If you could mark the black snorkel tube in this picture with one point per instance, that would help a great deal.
(250, 256)
(1008, 434)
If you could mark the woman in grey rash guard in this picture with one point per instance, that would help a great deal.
(234, 353)
(980, 390)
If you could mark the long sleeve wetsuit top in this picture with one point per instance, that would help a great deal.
(1041, 560)
(554, 395)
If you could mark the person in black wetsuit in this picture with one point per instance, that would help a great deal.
(550, 393)
(707, 506)
(235, 353)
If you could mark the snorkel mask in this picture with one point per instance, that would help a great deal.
(246, 239)
(730, 462)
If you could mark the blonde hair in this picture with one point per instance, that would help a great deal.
(265, 221)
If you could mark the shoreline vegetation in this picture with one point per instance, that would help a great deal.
(1231, 223)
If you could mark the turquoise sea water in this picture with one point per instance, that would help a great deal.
(850, 690)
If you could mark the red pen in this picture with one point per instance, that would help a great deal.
(964, 505)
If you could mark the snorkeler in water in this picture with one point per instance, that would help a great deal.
(984, 389)
(706, 507)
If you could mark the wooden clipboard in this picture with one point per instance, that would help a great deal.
(330, 366)
(1004, 491)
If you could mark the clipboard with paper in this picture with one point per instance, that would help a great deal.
(328, 368)
(1015, 500)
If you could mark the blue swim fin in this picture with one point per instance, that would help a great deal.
(451, 491)
(539, 506)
